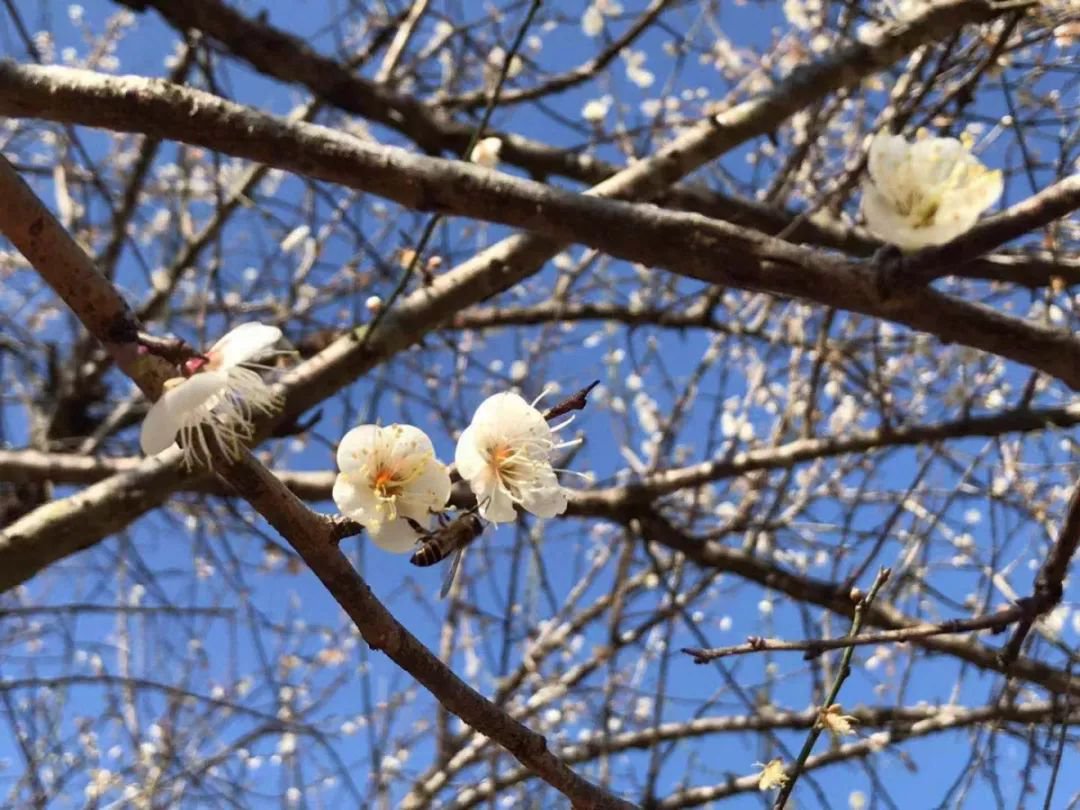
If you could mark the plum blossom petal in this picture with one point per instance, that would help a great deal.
(396, 536)
(243, 344)
(181, 398)
(547, 499)
(592, 20)
(221, 395)
(388, 476)
(927, 192)
(505, 455)
(486, 152)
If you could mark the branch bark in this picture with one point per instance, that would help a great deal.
(837, 599)
(311, 535)
(688, 244)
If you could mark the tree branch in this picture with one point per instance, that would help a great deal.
(76, 468)
(314, 537)
(995, 623)
(834, 597)
(687, 244)
(1048, 589)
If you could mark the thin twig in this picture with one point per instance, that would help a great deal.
(429, 228)
(1048, 589)
(861, 606)
(405, 31)
(1060, 753)
(995, 622)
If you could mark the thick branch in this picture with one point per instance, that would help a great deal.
(314, 538)
(76, 468)
(688, 244)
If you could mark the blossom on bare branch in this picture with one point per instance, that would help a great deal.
(389, 475)
(223, 394)
(927, 192)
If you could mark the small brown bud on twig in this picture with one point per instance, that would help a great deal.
(175, 350)
(575, 402)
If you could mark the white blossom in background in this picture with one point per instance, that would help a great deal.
(486, 152)
(838, 725)
(772, 774)
(389, 474)
(596, 110)
(803, 14)
(927, 192)
(287, 744)
(224, 394)
(505, 455)
(494, 65)
(635, 68)
(592, 21)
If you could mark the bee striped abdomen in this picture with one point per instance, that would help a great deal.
(439, 544)
(427, 554)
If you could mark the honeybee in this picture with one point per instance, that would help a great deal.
(449, 538)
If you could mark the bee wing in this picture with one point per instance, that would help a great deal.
(451, 571)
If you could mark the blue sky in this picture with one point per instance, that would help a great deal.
(172, 545)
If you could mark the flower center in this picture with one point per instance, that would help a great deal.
(518, 467)
(388, 483)
(385, 483)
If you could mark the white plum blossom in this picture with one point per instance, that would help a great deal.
(223, 393)
(772, 775)
(505, 455)
(486, 152)
(636, 71)
(592, 21)
(596, 110)
(493, 66)
(389, 474)
(838, 725)
(927, 192)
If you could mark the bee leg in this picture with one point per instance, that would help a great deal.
(416, 527)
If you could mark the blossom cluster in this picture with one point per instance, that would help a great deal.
(390, 479)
